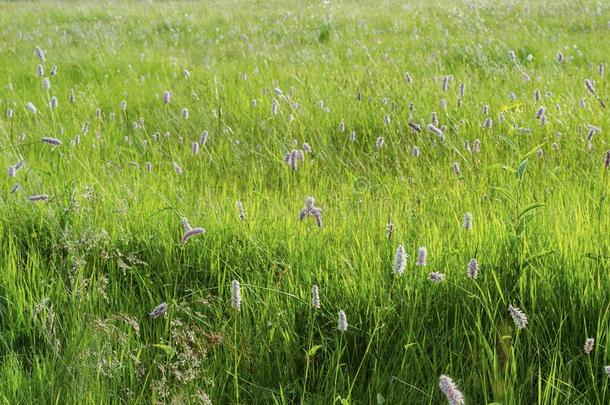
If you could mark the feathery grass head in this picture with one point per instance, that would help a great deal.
(158, 311)
(467, 221)
(422, 256)
(342, 321)
(472, 269)
(436, 277)
(235, 295)
(240, 210)
(400, 260)
(31, 107)
(518, 316)
(451, 391)
(177, 168)
(315, 297)
(190, 233)
(38, 198)
(39, 54)
(589, 344)
(51, 141)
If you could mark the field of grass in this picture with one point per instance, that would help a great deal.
(414, 124)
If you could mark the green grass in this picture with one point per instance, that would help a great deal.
(80, 273)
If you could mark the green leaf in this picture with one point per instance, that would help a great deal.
(311, 352)
(166, 348)
(504, 193)
(380, 399)
(531, 208)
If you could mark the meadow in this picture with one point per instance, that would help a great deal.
(289, 202)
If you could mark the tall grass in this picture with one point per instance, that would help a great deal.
(81, 272)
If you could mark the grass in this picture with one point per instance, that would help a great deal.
(80, 273)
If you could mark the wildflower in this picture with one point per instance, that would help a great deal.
(400, 260)
(342, 126)
(159, 310)
(422, 255)
(15, 188)
(167, 97)
(518, 316)
(186, 74)
(415, 151)
(311, 210)
(352, 136)
(436, 277)
(342, 321)
(485, 109)
(195, 148)
(386, 119)
(235, 295)
(185, 224)
(462, 90)
(537, 95)
(190, 233)
(315, 297)
(607, 159)
(607, 370)
(53, 103)
(540, 152)
(473, 268)
(540, 112)
(72, 97)
(379, 142)
(511, 55)
(450, 389)
(31, 107)
(185, 113)
(600, 69)
(9, 113)
(46, 83)
(588, 348)
(488, 123)
(408, 78)
(53, 70)
(456, 169)
(51, 141)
